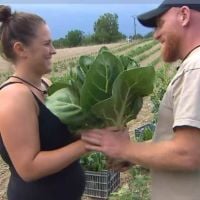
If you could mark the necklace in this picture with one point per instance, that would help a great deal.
(190, 52)
(188, 55)
(42, 91)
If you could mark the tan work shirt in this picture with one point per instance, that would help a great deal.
(180, 106)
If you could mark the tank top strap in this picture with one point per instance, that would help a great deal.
(9, 83)
(37, 99)
(13, 82)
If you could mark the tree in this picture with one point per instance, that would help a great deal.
(88, 40)
(74, 38)
(60, 43)
(106, 28)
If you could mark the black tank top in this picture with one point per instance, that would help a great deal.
(67, 184)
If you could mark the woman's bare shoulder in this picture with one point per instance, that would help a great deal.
(15, 95)
(9, 88)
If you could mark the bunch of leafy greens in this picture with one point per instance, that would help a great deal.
(105, 90)
(95, 161)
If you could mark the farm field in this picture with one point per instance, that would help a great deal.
(145, 52)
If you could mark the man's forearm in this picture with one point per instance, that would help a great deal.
(163, 155)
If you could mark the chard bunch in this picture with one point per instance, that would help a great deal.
(103, 91)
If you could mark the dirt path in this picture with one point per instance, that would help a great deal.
(155, 47)
(62, 54)
(150, 59)
(133, 47)
(4, 174)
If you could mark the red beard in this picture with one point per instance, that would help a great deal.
(170, 49)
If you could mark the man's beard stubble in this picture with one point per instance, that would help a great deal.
(170, 49)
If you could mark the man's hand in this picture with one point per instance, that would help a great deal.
(110, 141)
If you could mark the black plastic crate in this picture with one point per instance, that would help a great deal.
(101, 184)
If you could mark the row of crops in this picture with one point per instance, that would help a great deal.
(138, 50)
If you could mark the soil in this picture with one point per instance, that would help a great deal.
(4, 174)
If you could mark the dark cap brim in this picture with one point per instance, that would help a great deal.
(149, 18)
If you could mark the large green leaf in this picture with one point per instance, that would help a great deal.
(84, 65)
(65, 105)
(128, 62)
(126, 101)
(132, 83)
(56, 86)
(103, 49)
(113, 116)
(99, 80)
(85, 62)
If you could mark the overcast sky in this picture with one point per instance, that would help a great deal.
(63, 16)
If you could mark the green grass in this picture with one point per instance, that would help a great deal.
(138, 188)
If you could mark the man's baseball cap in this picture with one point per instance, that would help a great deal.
(149, 18)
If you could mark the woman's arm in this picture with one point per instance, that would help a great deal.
(20, 133)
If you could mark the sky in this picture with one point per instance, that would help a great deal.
(70, 15)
